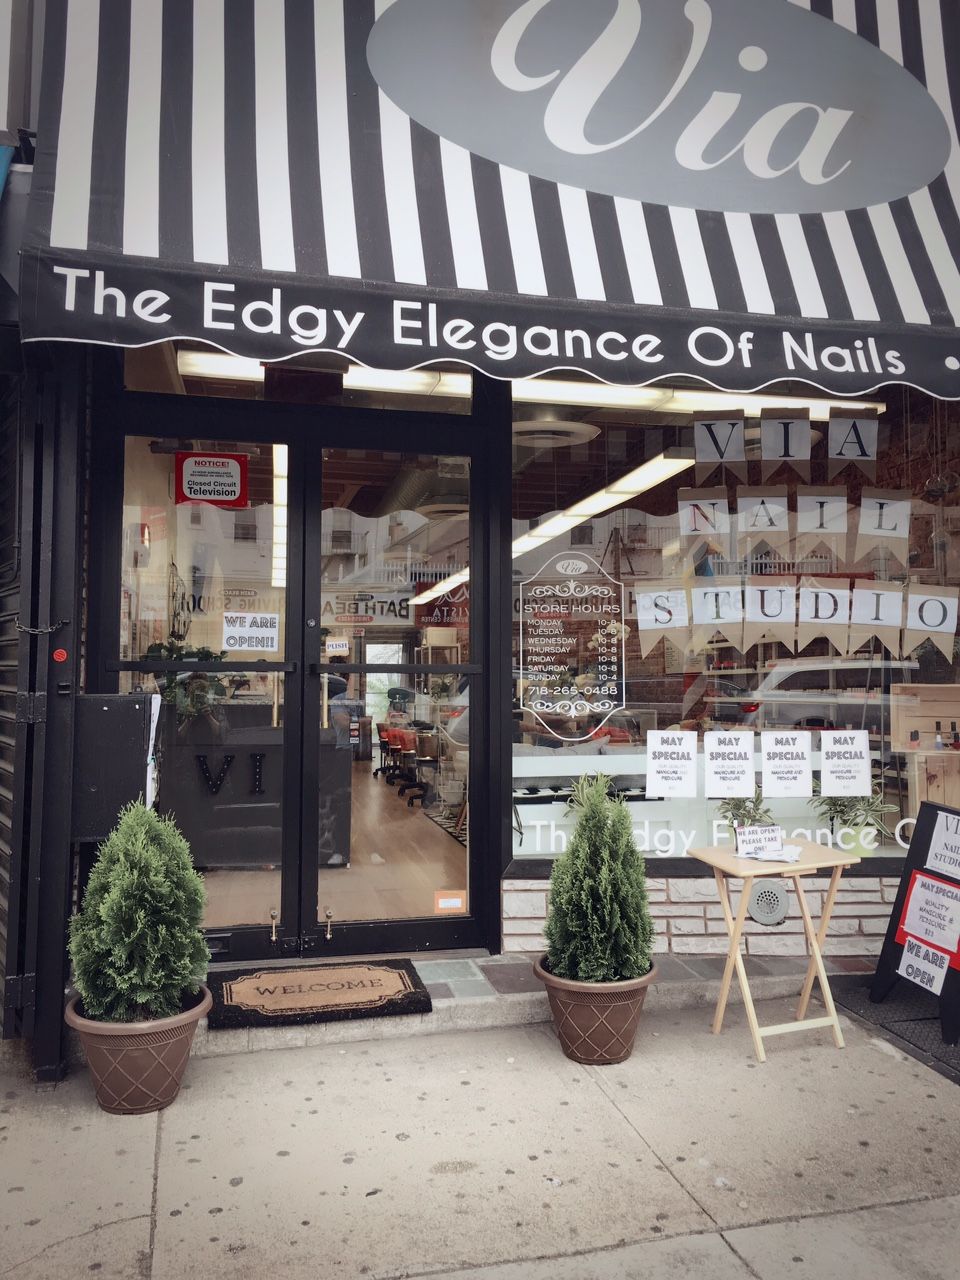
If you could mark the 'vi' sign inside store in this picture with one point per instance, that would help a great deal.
(748, 105)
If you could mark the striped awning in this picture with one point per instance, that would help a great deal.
(749, 190)
(16, 36)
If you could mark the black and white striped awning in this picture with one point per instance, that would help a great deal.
(275, 176)
(16, 36)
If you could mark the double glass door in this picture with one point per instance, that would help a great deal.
(301, 613)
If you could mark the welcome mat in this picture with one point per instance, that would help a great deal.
(315, 993)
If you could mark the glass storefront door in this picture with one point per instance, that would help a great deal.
(391, 687)
(302, 616)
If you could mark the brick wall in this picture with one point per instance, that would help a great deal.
(689, 920)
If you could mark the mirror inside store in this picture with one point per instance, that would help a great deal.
(382, 764)
(732, 601)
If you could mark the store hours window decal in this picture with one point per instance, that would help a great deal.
(572, 647)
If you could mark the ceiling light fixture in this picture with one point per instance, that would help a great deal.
(549, 391)
(663, 467)
(751, 406)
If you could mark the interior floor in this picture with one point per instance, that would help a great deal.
(400, 859)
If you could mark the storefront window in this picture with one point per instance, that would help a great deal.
(367, 708)
(203, 581)
(204, 542)
(715, 593)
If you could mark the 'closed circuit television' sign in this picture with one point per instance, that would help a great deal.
(218, 478)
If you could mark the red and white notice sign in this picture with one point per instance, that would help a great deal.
(929, 931)
(218, 478)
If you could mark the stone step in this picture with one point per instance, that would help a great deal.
(485, 992)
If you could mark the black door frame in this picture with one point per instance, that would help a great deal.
(484, 437)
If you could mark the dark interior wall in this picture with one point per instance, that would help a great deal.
(43, 421)
(9, 604)
(13, 654)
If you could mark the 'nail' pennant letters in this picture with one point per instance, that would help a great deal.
(821, 521)
(884, 524)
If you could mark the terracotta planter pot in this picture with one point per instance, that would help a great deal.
(596, 1021)
(138, 1066)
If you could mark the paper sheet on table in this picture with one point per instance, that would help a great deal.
(789, 853)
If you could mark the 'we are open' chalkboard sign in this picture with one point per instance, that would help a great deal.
(923, 937)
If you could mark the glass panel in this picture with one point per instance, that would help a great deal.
(204, 556)
(392, 787)
(219, 753)
(394, 746)
(789, 589)
(395, 543)
(203, 579)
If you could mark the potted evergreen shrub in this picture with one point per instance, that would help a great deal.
(139, 957)
(598, 964)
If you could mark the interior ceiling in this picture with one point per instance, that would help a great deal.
(550, 479)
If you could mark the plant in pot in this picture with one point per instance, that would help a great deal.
(598, 964)
(177, 688)
(745, 811)
(862, 816)
(139, 957)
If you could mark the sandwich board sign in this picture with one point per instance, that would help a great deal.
(922, 943)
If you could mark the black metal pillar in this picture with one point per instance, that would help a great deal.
(60, 390)
(493, 611)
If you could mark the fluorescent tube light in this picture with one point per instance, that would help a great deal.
(588, 394)
(219, 364)
(411, 382)
(598, 395)
(563, 522)
(663, 467)
(747, 406)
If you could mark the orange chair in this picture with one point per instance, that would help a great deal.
(383, 743)
(394, 755)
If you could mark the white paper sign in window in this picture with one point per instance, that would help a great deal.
(728, 767)
(259, 631)
(787, 769)
(845, 762)
(671, 764)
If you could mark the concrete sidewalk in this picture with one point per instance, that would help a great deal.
(489, 1156)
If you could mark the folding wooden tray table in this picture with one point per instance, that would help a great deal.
(727, 865)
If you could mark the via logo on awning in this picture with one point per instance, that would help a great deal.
(752, 105)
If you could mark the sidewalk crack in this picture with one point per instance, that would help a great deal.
(80, 1235)
(661, 1160)
(148, 1267)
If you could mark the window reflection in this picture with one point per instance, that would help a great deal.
(785, 566)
